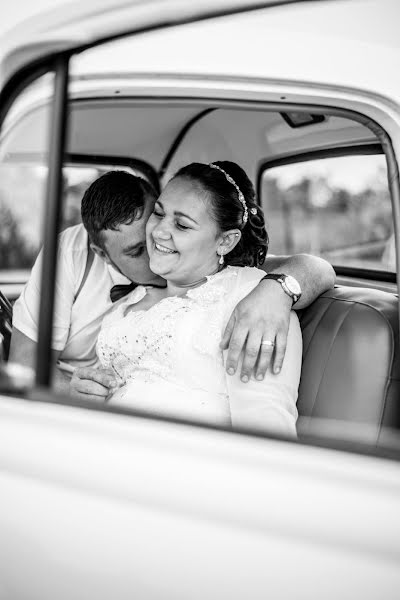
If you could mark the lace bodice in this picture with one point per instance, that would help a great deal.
(176, 340)
(168, 358)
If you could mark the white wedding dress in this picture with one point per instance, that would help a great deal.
(168, 361)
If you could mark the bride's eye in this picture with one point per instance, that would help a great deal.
(180, 226)
(158, 213)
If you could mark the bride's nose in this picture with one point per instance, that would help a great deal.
(162, 231)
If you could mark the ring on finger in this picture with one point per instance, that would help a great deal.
(268, 343)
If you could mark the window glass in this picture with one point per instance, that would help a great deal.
(338, 208)
(24, 154)
(22, 189)
(23, 176)
(22, 194)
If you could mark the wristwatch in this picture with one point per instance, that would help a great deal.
(289, 284)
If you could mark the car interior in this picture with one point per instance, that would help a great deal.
(351, 366)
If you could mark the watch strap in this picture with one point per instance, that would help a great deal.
(275, 276)
(280, 277)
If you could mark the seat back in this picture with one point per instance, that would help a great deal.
(351, 369)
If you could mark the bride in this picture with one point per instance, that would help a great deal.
(206, 238)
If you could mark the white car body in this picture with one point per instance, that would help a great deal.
(101, 505)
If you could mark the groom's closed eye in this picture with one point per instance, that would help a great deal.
(135, 251)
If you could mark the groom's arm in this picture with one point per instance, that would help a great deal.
(314, 274)
(264, 314)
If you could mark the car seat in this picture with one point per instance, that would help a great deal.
(351, 362)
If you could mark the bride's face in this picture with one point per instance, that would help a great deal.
(182, 237)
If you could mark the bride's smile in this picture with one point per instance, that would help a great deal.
(163, 249)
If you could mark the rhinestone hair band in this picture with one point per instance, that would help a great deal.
(240, 195)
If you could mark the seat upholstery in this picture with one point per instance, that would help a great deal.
(351, 362)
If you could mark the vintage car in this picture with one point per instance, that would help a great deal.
(100, 502)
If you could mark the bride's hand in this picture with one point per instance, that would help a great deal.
(93, 384)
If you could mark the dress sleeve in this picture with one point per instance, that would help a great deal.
(247, 279)
(268, 405)
(26, 308)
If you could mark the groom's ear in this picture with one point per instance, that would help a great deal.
(100, 252)
(229, 240)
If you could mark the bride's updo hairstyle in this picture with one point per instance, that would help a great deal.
(232, 208)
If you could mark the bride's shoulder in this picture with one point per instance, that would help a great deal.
(245, 277)
(215, 288)
(238, 275)
(226, 283)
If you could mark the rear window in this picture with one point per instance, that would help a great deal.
(337, 207)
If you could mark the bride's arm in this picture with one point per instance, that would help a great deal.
(270, 404)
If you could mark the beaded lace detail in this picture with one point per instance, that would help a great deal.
(210, 298)
(153, 345)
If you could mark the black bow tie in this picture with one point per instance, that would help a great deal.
(119, 291)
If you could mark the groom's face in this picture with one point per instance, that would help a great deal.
(126, 250)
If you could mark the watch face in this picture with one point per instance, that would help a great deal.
(293, 285)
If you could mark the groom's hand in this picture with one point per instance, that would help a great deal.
(93, 384)
(264, 314)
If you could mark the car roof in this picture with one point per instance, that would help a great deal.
(73, 24)
(351, 43)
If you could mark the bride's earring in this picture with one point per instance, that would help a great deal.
(221, 259)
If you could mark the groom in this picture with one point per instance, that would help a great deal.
(108, 252)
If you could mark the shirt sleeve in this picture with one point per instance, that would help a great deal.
(270, 404)
(26, 308)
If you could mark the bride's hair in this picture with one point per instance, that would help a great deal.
(233, 206)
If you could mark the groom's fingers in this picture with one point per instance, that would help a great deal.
(87, 386)
(83, 388)
(228, 332)
(88, 383)
(280, 349)
(250, 355)
(266, 353)
(236, 345)
(103, 377)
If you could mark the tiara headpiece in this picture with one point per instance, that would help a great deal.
(239, 193)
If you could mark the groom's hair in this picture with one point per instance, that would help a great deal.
(115, 198)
